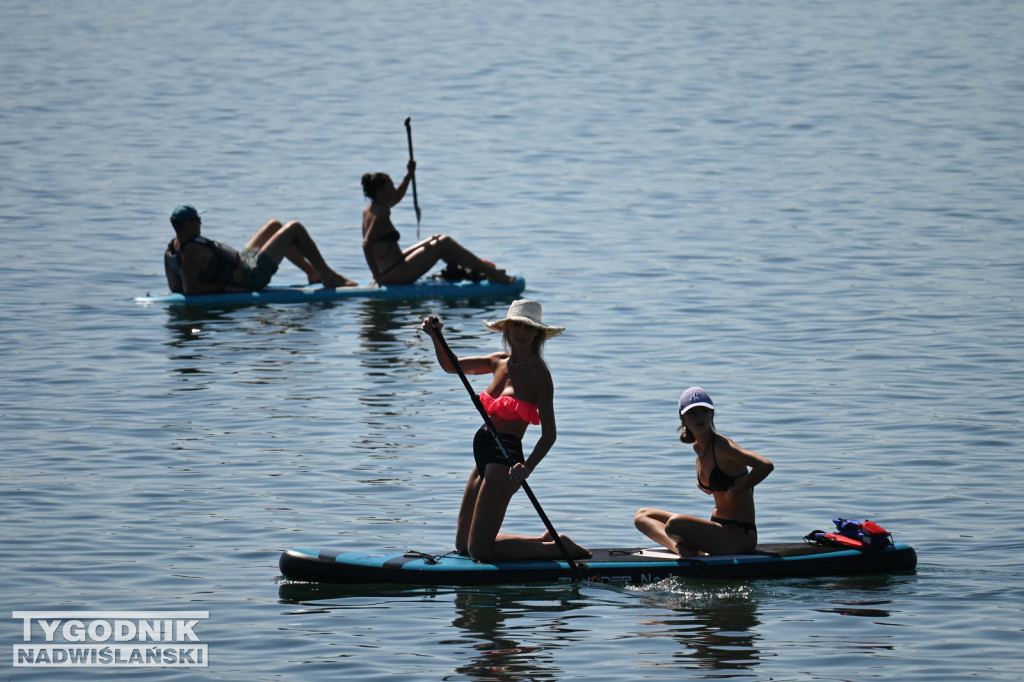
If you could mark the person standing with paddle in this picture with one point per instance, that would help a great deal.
(521, 393)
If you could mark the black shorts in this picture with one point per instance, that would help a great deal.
(257, 269)
(486, 451)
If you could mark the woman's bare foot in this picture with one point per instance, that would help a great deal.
(335, 280)
(501, 277)
(685, 551)
(575, 551)
(497, 275)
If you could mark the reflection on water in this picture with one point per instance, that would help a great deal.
(380, 332)
(721, 626)
(858, 609)
(515, 633)
(382, 324)
(499, 626)
(388, 328)
(507, 633)
(713, 623)
(189, 324)
(868, 596)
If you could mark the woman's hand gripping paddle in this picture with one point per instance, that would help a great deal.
(573, 568)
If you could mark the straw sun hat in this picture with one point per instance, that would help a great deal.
(525, 312)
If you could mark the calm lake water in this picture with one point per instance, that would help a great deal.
(811, 209)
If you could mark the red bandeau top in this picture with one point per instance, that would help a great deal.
(510, 408)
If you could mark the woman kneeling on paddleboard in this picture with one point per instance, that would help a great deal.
(521, 393)
(386, 259)
(724, 470)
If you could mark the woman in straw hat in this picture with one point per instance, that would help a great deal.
(724, 470)
(520, 393)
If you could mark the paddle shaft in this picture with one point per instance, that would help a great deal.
(505, 453)
(415, 199)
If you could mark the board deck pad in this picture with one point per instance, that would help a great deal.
(613, 565)
(311, 293)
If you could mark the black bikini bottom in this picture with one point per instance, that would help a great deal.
(745, 525)
(486, 451)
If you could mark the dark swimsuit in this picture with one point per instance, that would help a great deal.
(745, 525)
(719, 482)
(485, 450)
(392, 236)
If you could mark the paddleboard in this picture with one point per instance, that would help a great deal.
(619, 566)
(310, 293)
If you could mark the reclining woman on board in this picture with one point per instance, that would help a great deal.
(386, 259)
(521, 393)
(724, 470)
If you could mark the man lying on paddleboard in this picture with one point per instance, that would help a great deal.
(197, 265)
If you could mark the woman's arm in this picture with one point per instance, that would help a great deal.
(759, 467)
(475, 365)
(548, 429)
(403, 187)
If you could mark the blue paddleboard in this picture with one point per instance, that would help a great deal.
(307, 293)
(621, 566)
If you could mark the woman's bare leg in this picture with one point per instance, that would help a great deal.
(453, 252)
(652, 523)
(710, 537)
(543, 547)
(465, 519)
(690, 536)
(420, 257)
(487, 544)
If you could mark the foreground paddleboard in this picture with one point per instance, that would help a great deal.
(621, 566)
(306, 293)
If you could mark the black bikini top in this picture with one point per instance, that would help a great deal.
(718, 480)
(391, 236)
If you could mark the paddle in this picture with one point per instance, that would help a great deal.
(573, 568)
(415, 199)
